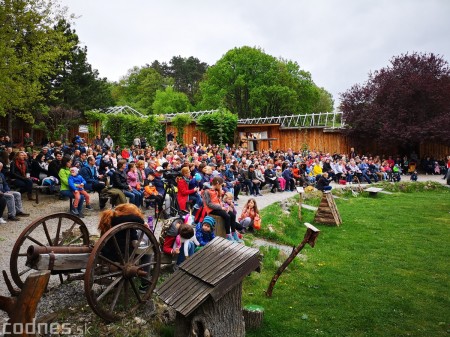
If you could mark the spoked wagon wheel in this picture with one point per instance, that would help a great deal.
(117, 279)
(59, 229)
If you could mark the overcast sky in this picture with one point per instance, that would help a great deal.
(338, 41)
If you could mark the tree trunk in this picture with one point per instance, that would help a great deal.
(219, 319)
(253, 316)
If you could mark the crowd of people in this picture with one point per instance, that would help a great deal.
(201, 173)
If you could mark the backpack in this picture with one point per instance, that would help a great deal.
(165, 228)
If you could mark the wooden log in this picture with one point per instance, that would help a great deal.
(22, 310)
(253, 316)
(57, 262)
(310, 238)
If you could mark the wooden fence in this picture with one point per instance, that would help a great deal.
(318, 139)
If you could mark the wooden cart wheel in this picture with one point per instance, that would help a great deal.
(114, 275)
(59, 229)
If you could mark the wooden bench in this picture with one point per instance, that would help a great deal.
(373, 191)
(41, 189)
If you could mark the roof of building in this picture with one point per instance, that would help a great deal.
(212, 271)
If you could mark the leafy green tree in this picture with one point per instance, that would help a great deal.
(29, 48)
(170, 101)
(187, 74)
(57, 121)
(219, 126)
(138, 88)
(180, 121)
(252, 83)
(124, 128)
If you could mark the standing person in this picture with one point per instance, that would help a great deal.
(28, 142)
(20, 174)
(108, 142)
(13, 199)
(76, 184)
(170, 137)
(249, 213)
(184, 193)
(213, 205)
(64, 174)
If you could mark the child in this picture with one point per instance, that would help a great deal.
(213, 205)
(186, 234)
(204, 231)
(414, 176)
(248, 215)
(228, 201)
(76, 185)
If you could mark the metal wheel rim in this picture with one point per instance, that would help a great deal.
(119, 283)
(26, 234)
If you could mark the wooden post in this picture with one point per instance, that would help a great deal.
(300, 191)
(22, 310)
(253, 316)
(310, 237)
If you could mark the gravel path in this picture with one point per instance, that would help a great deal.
(50, 204)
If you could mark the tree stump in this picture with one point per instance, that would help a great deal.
(253, 316)
(219, 319)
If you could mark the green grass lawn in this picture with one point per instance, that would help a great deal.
(384, 272)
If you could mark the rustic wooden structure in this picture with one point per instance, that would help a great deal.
(206, 290)
(310, 238)
(327, 213)
(112, 274)
(320, 132)
(21, 308)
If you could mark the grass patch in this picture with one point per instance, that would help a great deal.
(384, 272)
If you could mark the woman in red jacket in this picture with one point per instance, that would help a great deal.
(183, 188)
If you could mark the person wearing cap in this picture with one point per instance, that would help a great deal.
(204, 231)
(155, 178)
(289, 178)
(76, 185)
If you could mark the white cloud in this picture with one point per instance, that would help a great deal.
(339, 42)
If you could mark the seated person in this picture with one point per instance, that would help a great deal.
(64, 174)
(20, 174)
(13, 199)
(121, 214)
(324, 182)
(204, 231)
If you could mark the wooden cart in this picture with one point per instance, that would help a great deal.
(113, 272)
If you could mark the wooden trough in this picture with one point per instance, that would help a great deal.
(206, 290)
